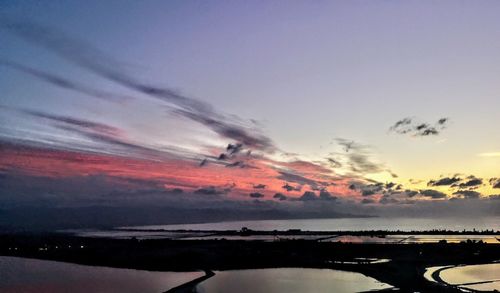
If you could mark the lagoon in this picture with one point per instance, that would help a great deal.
(289, 280)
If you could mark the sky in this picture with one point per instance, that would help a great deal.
(324, 108)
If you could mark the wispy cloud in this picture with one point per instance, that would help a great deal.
(414, 128)
(87, 57)
(359, 158)
(64, 83)
(101, 137)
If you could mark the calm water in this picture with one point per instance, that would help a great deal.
(289, 280)
(466, 276)
(22, 275)
(404, 224)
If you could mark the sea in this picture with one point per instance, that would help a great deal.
(343, 224)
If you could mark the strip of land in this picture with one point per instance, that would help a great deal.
(190, 286)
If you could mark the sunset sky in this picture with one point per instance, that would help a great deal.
(354, 107)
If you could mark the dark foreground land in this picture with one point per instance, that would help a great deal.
(404, 271)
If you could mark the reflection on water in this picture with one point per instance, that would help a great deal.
(485, 277)
(22, 275)
(352, 224)
(289, 280)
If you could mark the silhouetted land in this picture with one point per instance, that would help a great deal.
(191, 285)
(248, 232)
(405, 271)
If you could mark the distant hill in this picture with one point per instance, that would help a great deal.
(45, 218)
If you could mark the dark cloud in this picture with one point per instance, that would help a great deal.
(495, 182)
(390, 185)
(259, 186)
(236, 164)
(457, 182)
(334, 163)
(291, 177)
(410, 193)
(212, 190)
(467, 194)
(409, 126)
(85, 56)
(256, 195)
(308, 196)
(386, 199)
(367, 192)
(401, 125)
(234, 148)
(311, 196)
(280, 196)
(377, 188)
(432, 193)
(421, 127)
(470, 182)
(289, 187)
(443, 121)
(444, 181)
(325, 195)
(428, 131)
